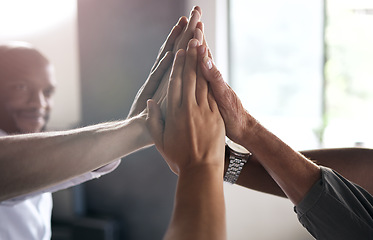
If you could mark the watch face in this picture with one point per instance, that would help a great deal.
(236, 147)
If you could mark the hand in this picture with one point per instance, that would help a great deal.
(192, 133)
(181, 42)
(162, 63)
(236, 119)
(155, 87)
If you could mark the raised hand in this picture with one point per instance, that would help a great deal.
(191, 139)
(192, 132)
(188, 32)
(161, 65)
(235, 116)
(155, 87)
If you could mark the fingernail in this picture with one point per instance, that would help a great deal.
(149, 105)
(191, 13)
(180, 53)
(207, 61)
(193, 43)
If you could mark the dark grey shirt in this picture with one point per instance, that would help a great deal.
(337, 209)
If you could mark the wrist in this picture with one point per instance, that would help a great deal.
(236, 157)
(142, 137)
(202, 171)
(249, 129)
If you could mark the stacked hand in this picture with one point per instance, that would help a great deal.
(155, 87)
(192, 132)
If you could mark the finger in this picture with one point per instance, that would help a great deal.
(200, 26)
(175, 33)
(183, 22)
(168, 45)
(199, 9)
(198, 34)
(212, 102)
(209, 54)
(155, 123)
(202, 85)
(188, 33)
(154, 87)
(175, 84)
(215, 79)
(190, 73)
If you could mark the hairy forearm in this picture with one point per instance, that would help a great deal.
(199, 211)
(292, 172)
(255, 177)
(354, 164)
(33, 162)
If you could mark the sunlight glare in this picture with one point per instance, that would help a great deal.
(25, 17)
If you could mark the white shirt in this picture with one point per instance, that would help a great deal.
(28, 217)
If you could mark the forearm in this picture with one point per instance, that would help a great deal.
(293, 173)
(354, 164)
(199, 211)
(255, 177)
(35, 161)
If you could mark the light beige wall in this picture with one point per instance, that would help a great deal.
(52, 28)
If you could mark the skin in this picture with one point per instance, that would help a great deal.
(355, 164)
(191, 140)
(275, 168)
(27, 84)
(32, 162)
(180, 43)
(292, 172)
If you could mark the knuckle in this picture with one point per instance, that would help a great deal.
(217, 75)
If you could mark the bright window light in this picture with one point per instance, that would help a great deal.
(24, 17)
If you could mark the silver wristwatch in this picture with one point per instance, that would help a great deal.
(237, 156)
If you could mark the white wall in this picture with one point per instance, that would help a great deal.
(50, 25)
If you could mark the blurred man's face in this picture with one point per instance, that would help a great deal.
(27, 85)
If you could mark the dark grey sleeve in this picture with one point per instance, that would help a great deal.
(336, 208)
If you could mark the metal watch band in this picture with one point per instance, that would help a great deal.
(236, 162)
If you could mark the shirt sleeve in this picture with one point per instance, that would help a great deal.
(336, 208)
(66, 184)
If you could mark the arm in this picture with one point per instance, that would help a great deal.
(292, 172)
(191, 140)
(35, 162)
(353, 163)
(32, 162)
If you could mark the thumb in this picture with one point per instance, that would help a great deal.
(155, 123)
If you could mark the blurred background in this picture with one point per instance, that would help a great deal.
(302, 68)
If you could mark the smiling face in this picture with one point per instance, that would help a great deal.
(27, 85)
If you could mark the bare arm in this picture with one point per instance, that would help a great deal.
(191, 139)
(354, 164)
(34, 162)
(294, 173)
(31, 162)
(262, 173)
